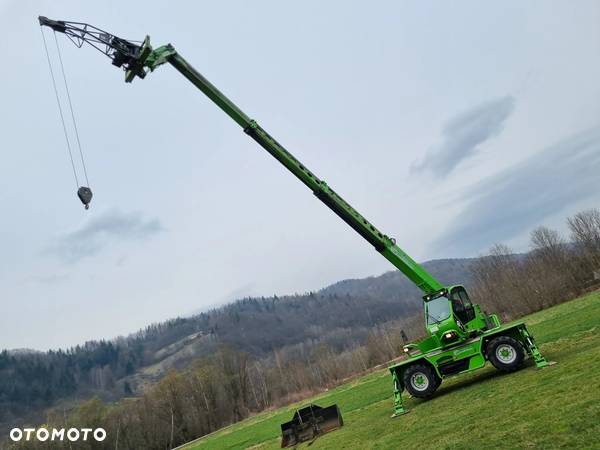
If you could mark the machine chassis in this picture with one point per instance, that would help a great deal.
(463, 357)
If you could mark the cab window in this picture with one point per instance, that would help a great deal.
(461, 305)
(437, 310)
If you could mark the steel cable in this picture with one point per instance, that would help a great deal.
(62, 117)
(72, 113)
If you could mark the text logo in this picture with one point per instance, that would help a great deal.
(54, 434)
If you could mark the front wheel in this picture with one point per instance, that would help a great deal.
(505, 353)
(421, 381)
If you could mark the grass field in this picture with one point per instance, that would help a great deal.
(555, 407)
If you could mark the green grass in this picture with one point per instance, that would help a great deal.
(556, 407)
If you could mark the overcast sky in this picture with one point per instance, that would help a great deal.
(450, 125)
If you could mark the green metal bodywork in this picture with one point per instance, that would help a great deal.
(457, 338)
(472, 352)
(382, 243)
(465, 350)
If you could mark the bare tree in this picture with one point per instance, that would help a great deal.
(549, 267)
(585, 233)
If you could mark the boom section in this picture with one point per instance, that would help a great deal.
(382, 243)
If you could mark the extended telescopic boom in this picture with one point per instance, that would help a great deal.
(135, 59)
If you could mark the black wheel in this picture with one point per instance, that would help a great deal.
(438, 381)
(421, 380)
(505, 353)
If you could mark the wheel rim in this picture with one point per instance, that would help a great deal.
(506, 354)
(419, 381)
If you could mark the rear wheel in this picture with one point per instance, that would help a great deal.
(421, 381)
(505, 353)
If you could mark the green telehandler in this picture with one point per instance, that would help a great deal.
(460, 337)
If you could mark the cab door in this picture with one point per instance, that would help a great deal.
(461, 305)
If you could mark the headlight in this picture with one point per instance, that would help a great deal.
(450, 335)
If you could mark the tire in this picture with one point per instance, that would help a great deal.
(438, 381)
(505, 353)
(420, 380)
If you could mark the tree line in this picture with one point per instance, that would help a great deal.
(555, 269)
(31, 382)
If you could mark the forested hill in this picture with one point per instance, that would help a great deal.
(338, 316)
(394, 285)
(259, 325)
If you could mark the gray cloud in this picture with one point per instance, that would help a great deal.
(463, 134)
(101, 230)
(518, 198)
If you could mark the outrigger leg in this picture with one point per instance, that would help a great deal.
(398, 406)
(532, 348)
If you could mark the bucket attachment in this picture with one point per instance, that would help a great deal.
(309, 422)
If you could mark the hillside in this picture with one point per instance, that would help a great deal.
(395, 285)
(339, 316)
(555, 407)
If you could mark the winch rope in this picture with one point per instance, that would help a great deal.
(62, 67)
(62, 117)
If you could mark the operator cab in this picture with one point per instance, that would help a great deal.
(447, 312)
